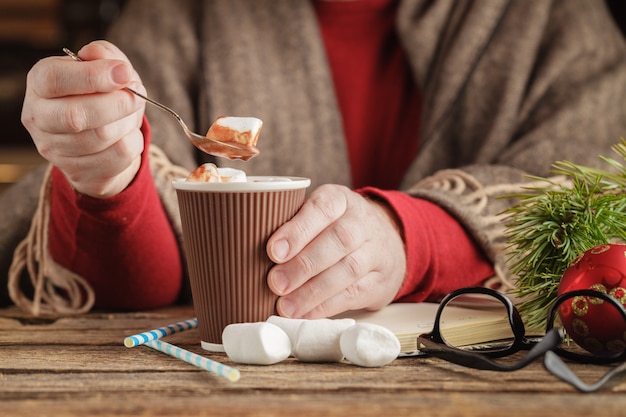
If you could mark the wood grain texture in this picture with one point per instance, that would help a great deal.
(79, 367)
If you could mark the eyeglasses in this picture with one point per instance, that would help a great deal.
(572, 332)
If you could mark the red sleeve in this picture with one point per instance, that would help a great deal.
(123, 245)
(441, 256)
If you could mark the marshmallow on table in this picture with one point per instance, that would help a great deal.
(289, 326)
(318, 340)
(369, 345)
(258, 343)
(322, 340)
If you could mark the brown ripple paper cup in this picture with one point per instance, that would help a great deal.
(225, 231)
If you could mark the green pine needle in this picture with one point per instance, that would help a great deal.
(553, 224)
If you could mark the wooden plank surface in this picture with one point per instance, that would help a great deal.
(79, 367)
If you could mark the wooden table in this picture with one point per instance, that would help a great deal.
(79, 367)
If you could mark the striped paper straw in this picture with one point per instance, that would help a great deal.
(145, 337)
(207, 364)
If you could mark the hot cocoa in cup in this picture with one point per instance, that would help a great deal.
(226, 225)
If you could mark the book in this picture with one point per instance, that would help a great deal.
(463, 326)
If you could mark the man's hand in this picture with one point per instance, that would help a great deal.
(83, 121)
(340, 252)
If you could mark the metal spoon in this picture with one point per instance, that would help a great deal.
(230, 150)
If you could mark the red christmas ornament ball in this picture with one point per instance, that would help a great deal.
(591, 322)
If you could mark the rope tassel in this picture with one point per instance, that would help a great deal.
(57, 291)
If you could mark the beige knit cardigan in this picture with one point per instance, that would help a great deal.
(509, 87)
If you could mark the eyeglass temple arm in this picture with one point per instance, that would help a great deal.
(558, 368)
(478, 361)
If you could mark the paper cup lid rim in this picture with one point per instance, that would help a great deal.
(254, 183)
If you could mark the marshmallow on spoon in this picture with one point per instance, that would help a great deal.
(259, 343)
(241, 130)
(369, 345)
(318, 340)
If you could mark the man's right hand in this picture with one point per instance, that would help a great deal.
(83, 121)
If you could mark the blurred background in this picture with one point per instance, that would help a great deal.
(33, 29)
(29, 31)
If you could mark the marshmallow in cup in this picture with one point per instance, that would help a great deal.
(208, 177)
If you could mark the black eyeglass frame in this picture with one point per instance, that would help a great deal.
(549, 346)
(584, 358)
(433, 343)
(515, 320)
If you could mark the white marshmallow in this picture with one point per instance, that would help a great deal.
(259, 343)
(369, 345)
(243, 130)
(318, 340)
(211, 173)
(289, 326)
(240, 124)
(231, 175)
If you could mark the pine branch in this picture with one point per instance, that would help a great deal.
(553, 224)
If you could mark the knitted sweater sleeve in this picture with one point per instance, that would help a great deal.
(123, 246)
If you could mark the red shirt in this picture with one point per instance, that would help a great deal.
(125, 247)
(380, 107)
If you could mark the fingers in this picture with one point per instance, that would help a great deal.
(354, 297)
(64, 95)
(62, 76)
(98, 162)
(325, 205)
(77, 113)
(86, 142)
(83, 120)
(106, 163)
(107, 172)
(339, 252)
(347, 285)
(302, 236)
(101, 49)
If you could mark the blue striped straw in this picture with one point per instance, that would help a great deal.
(145, 337)
(215, 367)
